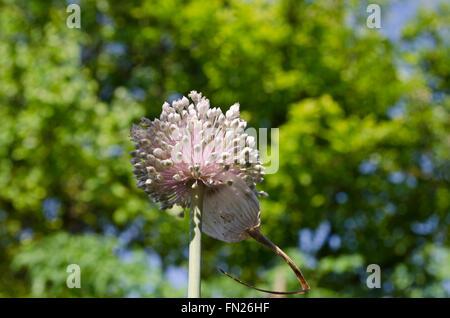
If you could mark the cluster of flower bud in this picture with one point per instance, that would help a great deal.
(192, 142)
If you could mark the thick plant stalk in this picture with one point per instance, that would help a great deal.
(195, 243)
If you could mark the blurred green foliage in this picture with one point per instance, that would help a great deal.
(48, 274)
(364, 145)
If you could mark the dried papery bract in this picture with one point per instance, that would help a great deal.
(230, 209)
(231, 213)
(191, 147)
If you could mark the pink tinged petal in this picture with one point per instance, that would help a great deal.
(229, 210)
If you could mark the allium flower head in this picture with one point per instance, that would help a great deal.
(192, 143)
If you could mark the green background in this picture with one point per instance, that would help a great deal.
(364, 144)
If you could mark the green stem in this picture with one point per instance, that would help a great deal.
(195, 244)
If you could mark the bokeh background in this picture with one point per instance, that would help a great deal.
(364, 119)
